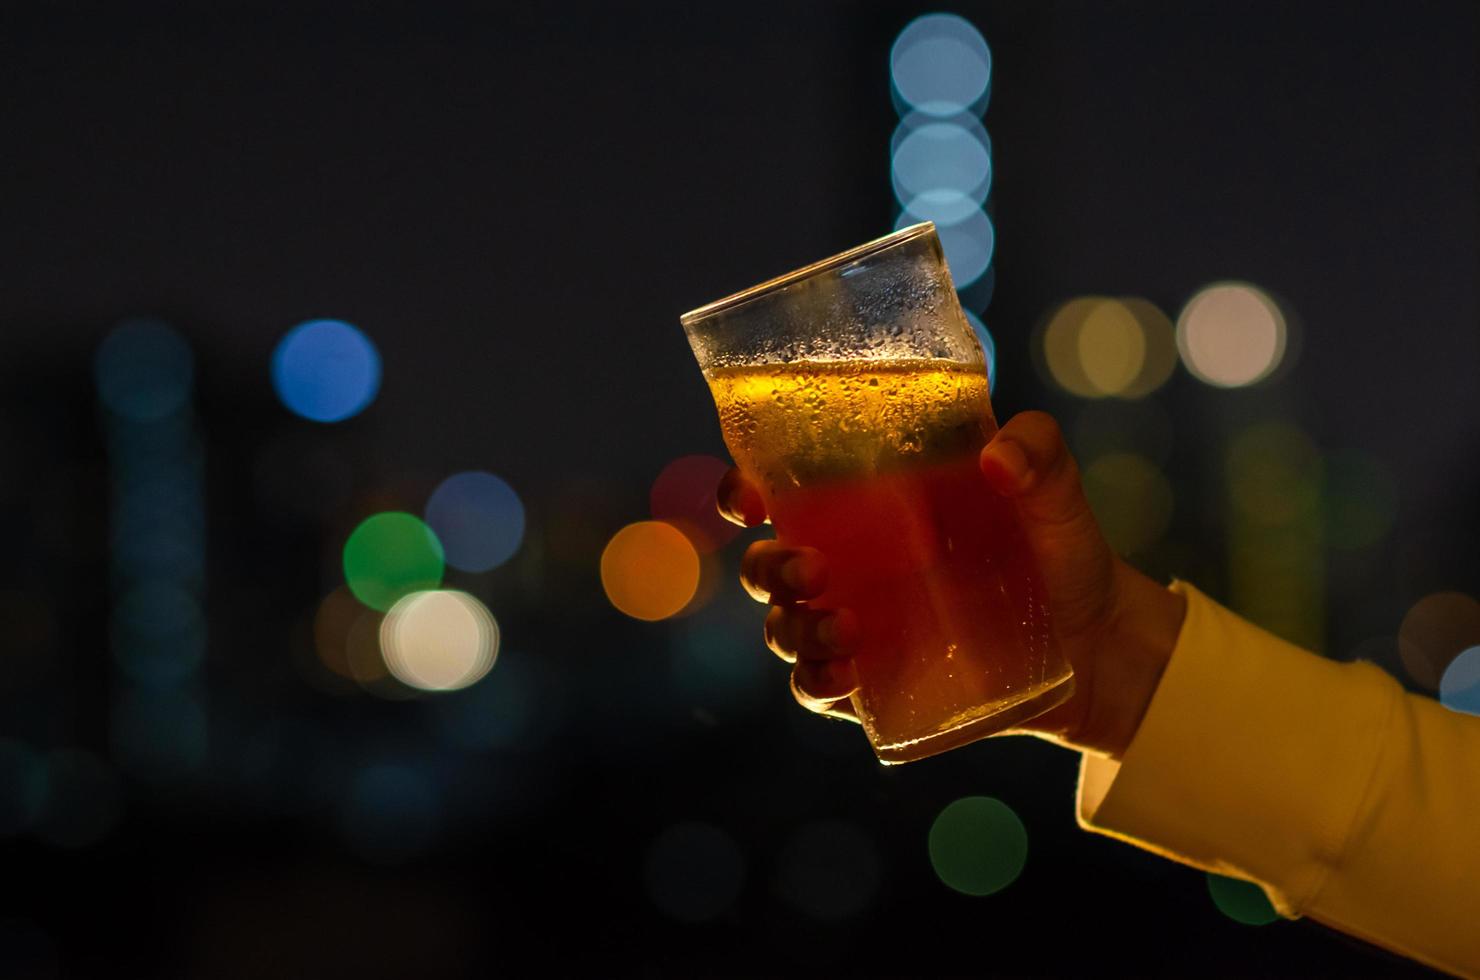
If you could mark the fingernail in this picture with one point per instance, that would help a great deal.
(1009, 457)
(792, 572)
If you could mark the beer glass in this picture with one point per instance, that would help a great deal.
(853, 393)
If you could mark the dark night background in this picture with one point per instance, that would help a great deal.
(516, 202)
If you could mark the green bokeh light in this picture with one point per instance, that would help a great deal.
(978, 845)
(391, 555)
(1242, 901)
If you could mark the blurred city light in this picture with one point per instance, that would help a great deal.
(389, 555)
(649, 570)
(509, 711)
(828, 870)
(1096, 347)
(1459, 688)
(1130, 498)
(84, 799)
(1360, 498)
(968, 244)
(439, 640)
(940, 65)
(1242, 901)
(1231, 334)
(144, 370)
(159, 734)
(978, 845)
(478, 518)
(948, 163)
(693, 872)
(1276, 551)
(989, 347)
(393, 813)
(684, 495)
(1434, 632)
(23, 787)
(158, 633)
(325, 370)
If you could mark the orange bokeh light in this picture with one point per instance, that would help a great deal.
(650, 570)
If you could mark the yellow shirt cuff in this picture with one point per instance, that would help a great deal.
(1252, 760)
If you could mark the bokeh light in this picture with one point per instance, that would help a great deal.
(1231, 334)
(1434, 632)
(393, 813)
(159, 734)
(144, 370)
(693, 872)
(684, 495)
(1459, 688)
(390, 555)
(1361, 500)
(23, 786)
(1130, 498)
(989, 347)
(968, 244)
(1274, 474)
(326, 370)
(948, 163)
(512, 710)
(828, 870)
(978, 845)
(478, 518)
(1242, 901)
(717, 660)
(84, 799)
(940, 64)
(439, 640)
(649, 570)
(1096, 346)
(158, 633)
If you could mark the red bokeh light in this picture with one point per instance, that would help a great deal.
(684, 496)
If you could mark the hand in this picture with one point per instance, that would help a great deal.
(1116, 626)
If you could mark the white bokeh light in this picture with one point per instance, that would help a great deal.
(1231, 334)
(439, 640)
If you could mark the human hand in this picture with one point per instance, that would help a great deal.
(1116, 626)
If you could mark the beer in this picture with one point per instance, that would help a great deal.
(875, 463)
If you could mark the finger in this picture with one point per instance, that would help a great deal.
(819, 684)
(796, 632)
(773, 572)
(740, 501)
(1029, 460)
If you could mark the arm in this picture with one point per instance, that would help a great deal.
(1205, 739)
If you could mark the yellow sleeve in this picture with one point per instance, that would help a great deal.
(1349, 800)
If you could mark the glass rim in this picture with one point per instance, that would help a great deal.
(807, 271)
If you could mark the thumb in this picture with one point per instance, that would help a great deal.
(1029, 461)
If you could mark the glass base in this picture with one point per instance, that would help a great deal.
(999, 721)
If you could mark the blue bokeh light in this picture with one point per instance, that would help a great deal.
(1459, 688)
(499, 713)
(940, 64)
(478, 518)
(989, 347)
(23, 786)
(159, 734)
(144, 370)
(968, 244)
(326, 370)
(158, 633)
(941, 160)
(393, 813)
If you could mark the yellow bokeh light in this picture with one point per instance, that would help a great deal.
(1130, 498)
(439, 640)
(1097, 347)
(649, 570)
(1231, 334)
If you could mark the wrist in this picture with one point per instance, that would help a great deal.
(1144, 621)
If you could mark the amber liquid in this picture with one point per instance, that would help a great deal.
(875, 464)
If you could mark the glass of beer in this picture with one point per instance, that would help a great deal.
(853, 393)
